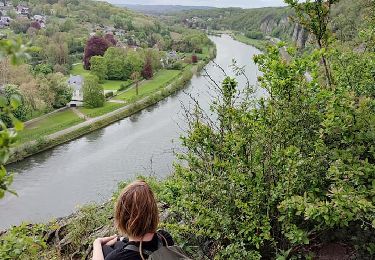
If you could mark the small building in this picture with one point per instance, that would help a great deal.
(5, 20)
(40, 19)
(76, 83)
(24, 10)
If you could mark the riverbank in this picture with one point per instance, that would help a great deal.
(257, 43)
(105, 116)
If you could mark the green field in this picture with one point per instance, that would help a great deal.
(161, 79)
(95, 112)
(107, 85)
(49, 125)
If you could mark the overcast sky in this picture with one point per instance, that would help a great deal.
(217, 3)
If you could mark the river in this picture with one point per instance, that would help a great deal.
(54, 183)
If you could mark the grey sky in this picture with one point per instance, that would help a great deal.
(217, 3)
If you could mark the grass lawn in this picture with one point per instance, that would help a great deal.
(49, 125)
(79, 70)
(107, 85)
(159, 80)
(95, 112)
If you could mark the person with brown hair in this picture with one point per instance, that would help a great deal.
(137, 217)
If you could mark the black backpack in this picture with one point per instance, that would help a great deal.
(162, 253)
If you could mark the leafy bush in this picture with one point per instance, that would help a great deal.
(93, 93)
(125, 85)
(22, 242)
(273, 175)
(254, 35)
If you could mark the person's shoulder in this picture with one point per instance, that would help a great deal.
(167, 236)
(120, 254)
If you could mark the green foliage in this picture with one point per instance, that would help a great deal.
(276, 173)
(98, 67)
(88, 219)
(254, 35)
(43, 69)
(125, 85)
(121, 63)
(22, 242)
(55, 91)
(15, 49)
(93, 93)
(12, 93)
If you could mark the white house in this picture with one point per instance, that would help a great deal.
(76, 83)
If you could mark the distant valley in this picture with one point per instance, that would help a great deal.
(163, 9)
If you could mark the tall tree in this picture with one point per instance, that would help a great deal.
(110, 38)
(135, 77)
(95, 46)
(99, 67)
(93, 93)
(147, 71)
(314, 16)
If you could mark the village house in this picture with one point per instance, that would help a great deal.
(5, 21)
(40, 19)
(23, 10)
(76, 83)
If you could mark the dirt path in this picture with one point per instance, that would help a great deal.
(80, 114)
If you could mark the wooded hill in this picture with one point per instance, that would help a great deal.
(347, 18)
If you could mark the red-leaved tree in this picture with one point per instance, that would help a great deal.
(194, 58)
(36, 25)
(110, 38)
(147, 71)
(95, 46)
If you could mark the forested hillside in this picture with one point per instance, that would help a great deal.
(162, 9)
(347, 18)
(58, 34)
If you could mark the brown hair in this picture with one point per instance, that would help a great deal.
(136, 212)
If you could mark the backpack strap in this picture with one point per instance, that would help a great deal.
(161, 238)
(136, 249)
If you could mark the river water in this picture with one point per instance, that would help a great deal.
(54, 183)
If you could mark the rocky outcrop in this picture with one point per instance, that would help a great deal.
(300, 36)
(271, 26)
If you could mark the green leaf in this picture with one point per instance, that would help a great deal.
(18, 125)
(3, 101)
(15, 101)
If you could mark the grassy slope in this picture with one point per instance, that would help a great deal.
(95, 112)
(162, 78)
(49, 125)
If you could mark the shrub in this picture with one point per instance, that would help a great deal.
(273, 175)
(125, 85)
(23, 242)
(254, 35)
(93, 93)
(176, 66)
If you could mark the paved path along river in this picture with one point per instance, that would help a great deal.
(54, 183)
